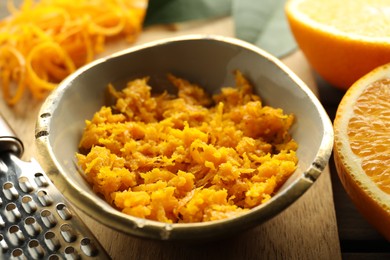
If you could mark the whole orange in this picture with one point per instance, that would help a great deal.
(342, 40)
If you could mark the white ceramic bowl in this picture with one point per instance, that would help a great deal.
(208, 61)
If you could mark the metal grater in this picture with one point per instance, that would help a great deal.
(36, 221)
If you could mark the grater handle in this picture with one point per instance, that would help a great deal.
(9, 142)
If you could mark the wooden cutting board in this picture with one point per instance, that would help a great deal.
(306, 230)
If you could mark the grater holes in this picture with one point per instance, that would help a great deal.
(12, 212)
(25, 184)
(40, 180)
(15, 235)
(3, 244)
(29, 221)
(63, 211)
(71, 253)
(29, 204)
(17, 253)
(9, 191)
(44, 198)
(32, 227)
(51, 241)
(54, 257)
(68, 233)
(48, 219)
(35, 249)
(88, 247)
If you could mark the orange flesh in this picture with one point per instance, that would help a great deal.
(342, 40)
(359, 17)
(368, 132)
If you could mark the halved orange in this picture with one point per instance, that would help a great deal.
(342, 40)
(362, 146)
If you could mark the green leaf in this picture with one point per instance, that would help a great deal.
(174, 11)
(263, 23)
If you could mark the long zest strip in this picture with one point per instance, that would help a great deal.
(14, 72)
(42, 42)
(41, 81)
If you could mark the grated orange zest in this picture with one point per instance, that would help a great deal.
(188, 157)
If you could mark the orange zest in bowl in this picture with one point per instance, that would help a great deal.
(188, 157)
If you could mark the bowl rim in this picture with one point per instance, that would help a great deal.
(183, 231)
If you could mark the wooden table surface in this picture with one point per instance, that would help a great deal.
(317, 226)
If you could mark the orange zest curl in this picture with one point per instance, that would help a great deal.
(42, 42)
